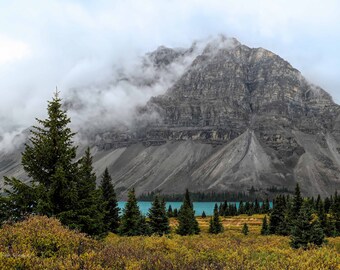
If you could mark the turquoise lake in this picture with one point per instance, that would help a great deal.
(199, 207)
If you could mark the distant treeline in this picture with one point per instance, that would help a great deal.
(199, 197)
(250, 195)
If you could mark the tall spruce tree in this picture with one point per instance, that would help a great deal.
(215, 225)
(306, 230)
(297, 203)
(277, 220)
(48, 160)
(158, 219)
(170, 212)
(187, 223)
(132, 222)
(87, 214)
(335, 212)
(111, 217)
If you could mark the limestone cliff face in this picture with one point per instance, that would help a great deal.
(236, 117)
(243, 117)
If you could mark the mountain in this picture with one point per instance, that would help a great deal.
(234, 118)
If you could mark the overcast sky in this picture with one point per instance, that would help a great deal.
(44, 44)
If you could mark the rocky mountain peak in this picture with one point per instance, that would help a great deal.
(231, 118)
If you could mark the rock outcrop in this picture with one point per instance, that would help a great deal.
(236, 117)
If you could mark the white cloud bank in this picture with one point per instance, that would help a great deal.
(48, 43)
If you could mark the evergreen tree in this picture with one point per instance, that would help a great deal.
(265, 227)
(327, 204)
(335, 212)
(159, 221)
(215, 225)
(277, 220)
(306, 230)
(297, 203)
(19, 201)
(170, 212)
(132, 222)
(187, 223)
(265, 206)
(48, 160)
(204, 215)
(245, 229)
(111, 217)
(175, 213)
(87, 213)
(221, 209)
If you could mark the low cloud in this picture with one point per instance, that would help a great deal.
(83, 47)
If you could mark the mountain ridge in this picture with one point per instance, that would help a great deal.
(236, 117)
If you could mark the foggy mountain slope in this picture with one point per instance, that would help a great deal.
(223, 117)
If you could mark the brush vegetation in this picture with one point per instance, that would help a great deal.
(40, 242)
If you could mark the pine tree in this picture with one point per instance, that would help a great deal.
(87, 213)
(327, 204)
(306, 230)
(175, 213)
(170, 212)
(187, 223)
(204, 215)
(111, 217)
(19, 201)
(159, 221)
(277, 220)
(335, 212)
(132, 221)
(215, 225)
(297, 203)
(245, 229)
(49, 161)
(265, 228)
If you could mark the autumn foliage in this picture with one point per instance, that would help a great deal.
(43, 243)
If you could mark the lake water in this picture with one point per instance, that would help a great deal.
(199, 207)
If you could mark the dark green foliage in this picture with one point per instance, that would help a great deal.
(59, 186)
(297, 202)
(306, 230)
(335, 212)
(265, 227)
(87, 213)
(187, 223)
(158, 219)
(215, 225)
(111, 217)
(132, 222)
(170, 212)
(245, 229)
(175, 213)
(204, 215)
(278, 223)
(327, 204)
(49, 160)
(265, 207)
(201, 196)
(19, 201)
